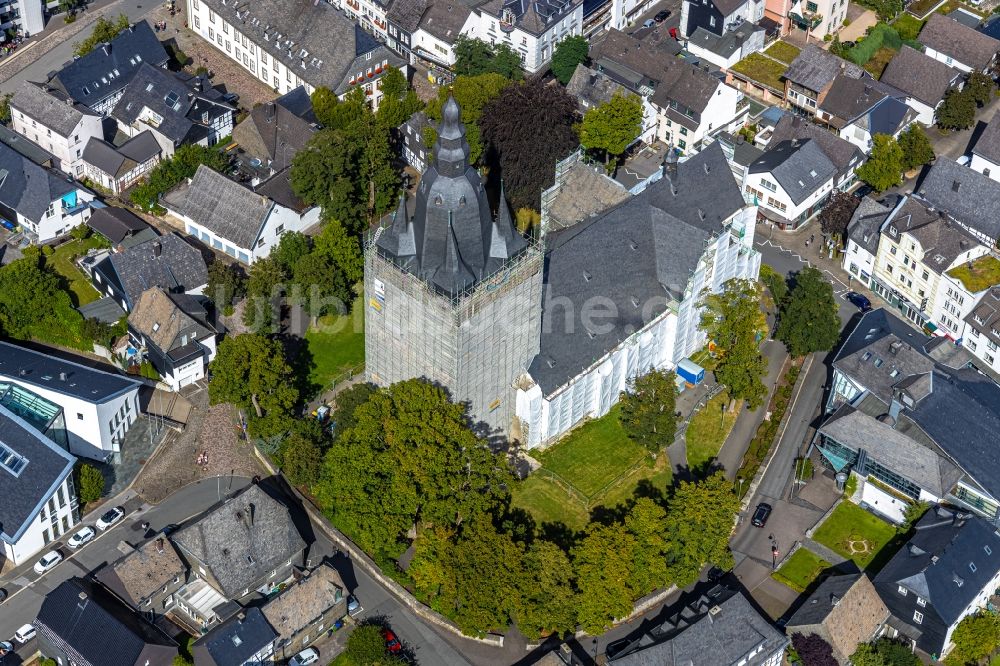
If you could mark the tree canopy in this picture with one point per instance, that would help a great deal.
(813, 650)
(809, 321)
(250, 372)
(569, 53)
(172, 171)
(474, 57)
(35, 305)
(612, 127)
(975, 637)
(104, 31)
(884, 652)
(916, 147)
(734, 321)
(980, 87)
(837, 213)
(648, 410)
(472, 93)
(957, 111)
(884, 165)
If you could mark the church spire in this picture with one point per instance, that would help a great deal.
(451, 151)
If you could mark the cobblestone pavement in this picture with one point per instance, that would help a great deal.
(211, 430)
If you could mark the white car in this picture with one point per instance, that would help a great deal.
(24, 634)
(110, 517)
(86, 535)
(48, 561)
(304, 658)
(353, 606)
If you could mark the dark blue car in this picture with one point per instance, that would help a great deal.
(859, 301)
(8, 225)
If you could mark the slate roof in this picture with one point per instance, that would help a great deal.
(117, 162)
(890, 116)
(800, 167)
(406, 13)
(331, 41)
(842, 153)
(988, 144)
(43, 370)
(936, 565)
(26, 147)
(163, 322)
(987, 311)
(242, 540)
(941, 239)
(223, 206)
(116, 224)
(105, 309)
(235, 641)
(49, 106)
(28, 188)
(725, 45)
(278, 188)
(919, 76)
(851, 97)
(960, 42)
(727, 7)
(445, 20)
(90, 620)
(48, 465)
(306, 600)
(655, 240)
(966, 195)
(144, 571)
(823, 600)
(866, 222)
(275, 131)
(815, 68)
(166, 261)
(965, 17)
(107, 70)
(592, 88)
(533, 16)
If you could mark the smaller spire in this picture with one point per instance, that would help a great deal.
(451, 120)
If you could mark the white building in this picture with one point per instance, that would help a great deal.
(982, 331)
(863, 233)
(51, 119)
(791, 182)
(288, 43)
(729, 48)
(38, 503)
(228, 217)
(98, 407)
(986, 152)
(957, 45)
(922, 79)
(959, 290)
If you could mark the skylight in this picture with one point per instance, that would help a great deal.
(12, 462)
(171, 98)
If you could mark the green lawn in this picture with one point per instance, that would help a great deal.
(783, 51)
(61, 261)
(854, 533)
(983, 274)
(544, 499)
(801, 569)
(337, 345)
(758, 67)
(879, 61)
(708, 430)
(908, 26)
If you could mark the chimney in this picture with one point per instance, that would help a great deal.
(157, 249)
(269, 112)
(670, 167)
(69, 101)
(62, 376)
(251, 509)
(241, 616)
(82, 595)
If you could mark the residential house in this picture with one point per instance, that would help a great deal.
(291, 43)
(982, 335)
(26, 147)
(863, 233)
(818, 19)
(246, 639)
(426, 30)
(947, 571)
(739, 152)
(845, 156)
(967, 196)
(118, 168)
(680, 245)
(986, 152)
(412, 143)
(532, 28)
(858, 109)
(98, 79)
(38, 502)
(959, 291)
(718, 16)
(845, 610)
(918, 244)
(43, 202)
(612, 14)
(810, 77)
(168, 262)
(720, 627)
(911, 419)
(25, 18)
(957, 45)
(275, 131)
(729, 48)
(592, 88)
(230, 218)
(246, 545)
(51, 119)
(98, 407)
(790, 181)
(146, 576)
(922, 80)
(174, 333)
(306, 609)
(83, 624)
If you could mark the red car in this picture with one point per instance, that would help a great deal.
(392, 643)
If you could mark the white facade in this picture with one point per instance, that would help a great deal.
(771, 196)
(858, 261)
(721, 114)
(194, 370)
(58, 515)
(984, 349)
(148, 120)
(61, 216)
(925, 112)
(984, 166)
(117, 185)
(947, 59)
(952, 302)
(535, 50)
(67, 149)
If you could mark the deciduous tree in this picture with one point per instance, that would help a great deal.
(547, 599)
(264, 287)
(837, 213)
(366, 647)
(980, 87)
(698, 523)
(569, 53)
(474, 56)
(647, 523)
(250, 371)
(648, 410)
(301, 459)
(226, 282)
(916, 147)
(613, 126)
(399, 101)
(809, 321)
(734, 321)
(104, 31)
(975, 637)
(604, 562)
(813, 650)
(342, 249)
(884, 165)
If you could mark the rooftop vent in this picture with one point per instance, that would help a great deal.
(955, 186)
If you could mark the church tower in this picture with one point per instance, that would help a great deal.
(453, 293)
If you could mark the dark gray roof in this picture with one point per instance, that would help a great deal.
(119, 161)
(275, 131)
(888, 117)
(166, 261)
(278, 188)
(108, 69)
(406, 13)
(44, 370)
(592, 88)
(452, 240)
(49, 106)
(445, 20)
(235, 641)
(800, 167)
(823, 600)
(962, 43)
(743, 152)
(985, 317)
(727, 7)
(851, 97)
(223, 206)
(654, 240)
(28, 188)
(242, 540)
(815, 68)
(844, 154)
(936, 565)
(631, 61)
(105, 309)
(26, 147)
(22, 495)
(90, 620)
(725, 45)
(141, 148)
(331, 41)
(866, 223)
(942, 239)
(919, 76)
(988, 144)
(965, 17)
(966, 195)
(116, 224)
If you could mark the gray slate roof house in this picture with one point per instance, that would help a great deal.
(240, 542)
(236, 641)
(27, 188)
(871, 104)
(866, 223)
(942, 239)
(49, 106)
(592, 88)
(968, 196)
(799, 166)
(47, 372)
(729, 43)
(117, 162)
(319, 597)
(961, 43)
(985, 317)
(988, 144)
(815, 69)
(120, 227)
(26, 147)
(947, 564)
(532, 16)
(275, 131)
(103, 73)
(166, 261)
(163, 322)
(844, 155)
(143, 571)
(444, 20)
(919, 76)
(32, 466)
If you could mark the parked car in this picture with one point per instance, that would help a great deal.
(24, 634)
(8, 225)
(3, 595)
(353, 606)
(86, 535)
(860, 301)
(761, 514)
(48, 561)
(662, 16)
(110, 517)
(648, 23)
(304, 658)
(169, 529)
(392, 643)
(6, 647)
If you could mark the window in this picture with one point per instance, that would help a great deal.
(918, 617)
(197, 22)
(925, 275)
(901, 590)
(768, 185)
(892, 250)
(79, 416)
(972, 567)
(921, 601)
(989, 358)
